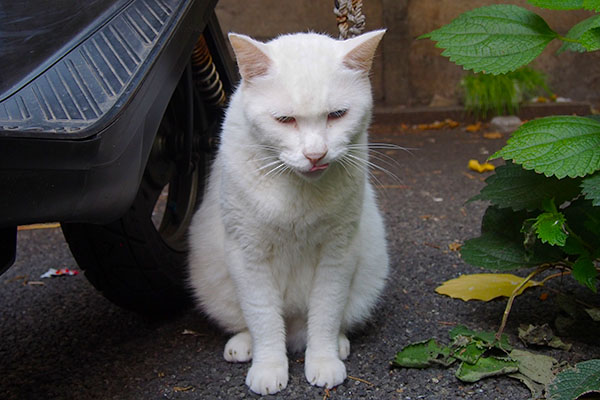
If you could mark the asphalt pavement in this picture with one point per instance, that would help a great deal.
(63, 340)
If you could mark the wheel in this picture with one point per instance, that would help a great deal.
(139, 261)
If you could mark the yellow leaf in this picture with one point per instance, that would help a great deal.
(475, 166)
(474, 127)
(482, 286)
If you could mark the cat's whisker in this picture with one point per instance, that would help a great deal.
(374, 166)
(275, 169)
(362, 166)
(269, 165)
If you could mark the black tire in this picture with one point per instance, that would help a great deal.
(136, 263)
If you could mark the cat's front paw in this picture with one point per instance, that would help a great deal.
(267, 377)
(324, 371)
(239, 348)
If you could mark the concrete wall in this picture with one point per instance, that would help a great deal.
(410, 72)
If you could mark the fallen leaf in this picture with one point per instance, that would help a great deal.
(544, 296)
(536, 389)
(474, 127)
(454, 246)
(492, 135)
(183, 388)
(485, 367)
(474, 165)
(482, 286)
(423, 354)
(537, 367)
(542, 336)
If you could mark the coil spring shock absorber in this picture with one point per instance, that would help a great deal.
(206, 77)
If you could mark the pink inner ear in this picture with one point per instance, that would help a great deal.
(252, 62)
(361, 57)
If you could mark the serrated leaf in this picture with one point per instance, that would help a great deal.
(537, 367)
(482, 286)
(558, 4)
(572, 383)
(585, 272)
(591, 39)
(515, 187)
(422, 355)
(560, 146)
(590, 187)
(485, 367)
(579, 29)
(494, 39)
(536, 389)
(550, 228)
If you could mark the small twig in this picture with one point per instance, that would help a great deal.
(361, 380)
(557, 275)
(514, 294)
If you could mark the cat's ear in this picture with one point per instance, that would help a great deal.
(362, 49)
(252, 61)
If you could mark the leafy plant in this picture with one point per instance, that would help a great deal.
(544, 210)
(502, 93)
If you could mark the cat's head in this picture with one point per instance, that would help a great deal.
(307, 97)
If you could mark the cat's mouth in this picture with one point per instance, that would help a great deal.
(318, 167)
(315, 172)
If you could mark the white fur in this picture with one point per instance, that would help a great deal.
(275, 252)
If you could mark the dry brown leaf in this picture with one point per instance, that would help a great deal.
(492, 135)
(454, 246)
(474, 127)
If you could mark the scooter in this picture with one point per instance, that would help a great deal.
(109, 116)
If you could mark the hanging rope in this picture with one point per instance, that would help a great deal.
(349, 17)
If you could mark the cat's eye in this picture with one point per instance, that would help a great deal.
(337, 114)
(285, 119)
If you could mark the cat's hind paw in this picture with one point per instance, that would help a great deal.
(239, 348)
(324, 371)
(344, 346)
(267, 377)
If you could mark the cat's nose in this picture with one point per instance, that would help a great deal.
(314, 158)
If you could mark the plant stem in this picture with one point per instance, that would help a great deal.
(514, 294)
(566, 39)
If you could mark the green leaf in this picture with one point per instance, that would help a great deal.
(518, 188)
(558, 4)
(500, 246)
(572, 383)
(422, 355)
(550, 227)
(585, 272)
(577, 31)
(591, 39)
(590, 187)
(485, 367)
(494, 39)
(560, 146)
(469, 353)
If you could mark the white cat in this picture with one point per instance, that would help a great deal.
(288, 245)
